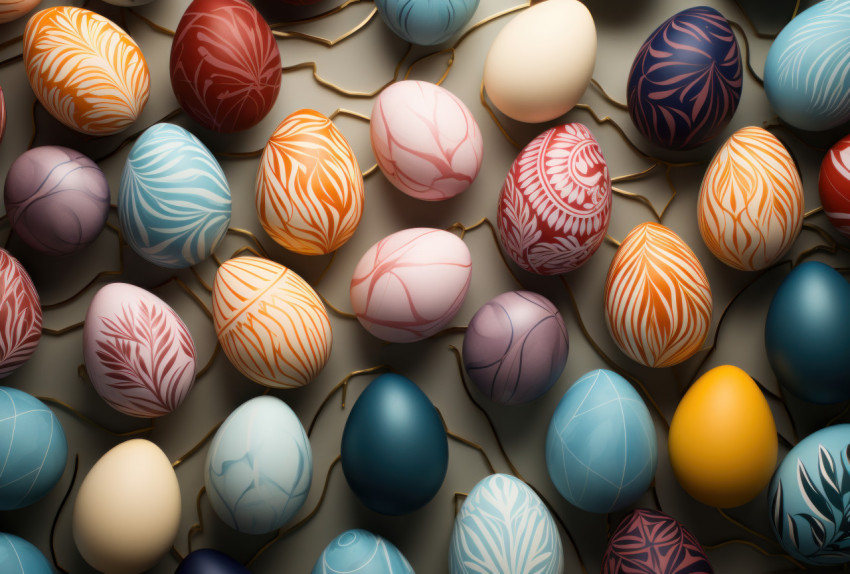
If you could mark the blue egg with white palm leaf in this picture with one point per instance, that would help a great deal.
(809, 498)
(426, 22)
(361, 552)
(173, 202)
(17, 556)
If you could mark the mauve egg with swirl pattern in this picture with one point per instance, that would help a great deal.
(57, 199)
(515, 347)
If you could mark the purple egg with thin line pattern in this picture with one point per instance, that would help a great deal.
(57, 199)
(686, 80)
(515, 347)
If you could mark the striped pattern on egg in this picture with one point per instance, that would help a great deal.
(271, 324)
(309, 187)
(657, 297)
(834, 185)
(20, 315)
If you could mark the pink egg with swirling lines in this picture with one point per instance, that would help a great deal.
(410, 284)
(426, 141)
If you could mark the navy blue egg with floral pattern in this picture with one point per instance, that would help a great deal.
(685, 82)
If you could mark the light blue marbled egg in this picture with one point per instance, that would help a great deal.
(361, 552)
(173, 202)
(809, 498)
(601, 449)
(259, 466)
(32, 447)
(806, 73)
(17, 556)
(504, 528)
(426, 22)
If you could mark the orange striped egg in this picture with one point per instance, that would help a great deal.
(86, 71)
(14, 9)
(751, 201)
(657, 297)
(270, 323)
(309, 186)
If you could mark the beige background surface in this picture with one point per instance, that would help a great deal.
(363, 63)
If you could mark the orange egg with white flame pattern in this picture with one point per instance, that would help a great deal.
(657, 298)
(271, 324)
(309, 187)
(750, 207)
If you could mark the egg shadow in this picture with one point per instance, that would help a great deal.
(274, 11)
(616, 12)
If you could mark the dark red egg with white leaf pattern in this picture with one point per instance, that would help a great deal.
(555, 204)
(225, 65)
(651, 542)
(20, 315)
(2, 114)
(834, 185)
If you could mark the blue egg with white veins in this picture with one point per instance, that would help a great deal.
(360, 551)
(426, 22)
(17, 556)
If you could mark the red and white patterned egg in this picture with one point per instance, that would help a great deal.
(555, 204)
(2, 114)
(140, 356)
(271, 324)
(834, 185)
(14, 9)
(20, 314)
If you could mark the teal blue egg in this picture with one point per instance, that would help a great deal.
(809, 498)
(259, 467)
(361, 552)
(601, 449)
(173, 201)
(426, 22)
(17, 556)
(32, 447)
(805, 75)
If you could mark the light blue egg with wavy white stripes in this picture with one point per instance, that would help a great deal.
(17, 556)
(361, 552)
(259, 466)
(504, 528)
(807, 72)
(426, 22)
(173, 202)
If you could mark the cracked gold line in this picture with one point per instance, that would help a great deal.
(607, 96)
(324, 41)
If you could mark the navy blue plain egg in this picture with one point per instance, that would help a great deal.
(807, 334)
(209, 561)
(395, 451)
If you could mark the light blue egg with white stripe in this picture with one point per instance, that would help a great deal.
(174, 202)
(504, 528)
(807, 72)
(361, 552)
(17, 556)
(426, 22)
(601, 448)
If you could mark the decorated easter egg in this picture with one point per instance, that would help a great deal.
(34, 450)
(722, 441)
(128, 3)
(601, 449)
(173, 201)
(515, 347)
(685, 82)
(805, 74)
(395, 451)
(259, 466)
(750, 207)
(225, 64)
(654, 274)
(57, 199)
(504, 527)
(20, 315)
(209, 561)
(806, 335)
(361, 551)
(86, 71)
(309, 187)
(426, 141)
(271, 324)
(541, 62)
(808, 501)
(14, 9)
(834, 185)
(17, 556)
(410, 284)
(127, 510)
(555, 205)
(139, 355)
(2, 114)
(651, 542)
(426, 22)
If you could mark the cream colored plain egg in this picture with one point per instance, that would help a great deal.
(542, 61)
(127, 511)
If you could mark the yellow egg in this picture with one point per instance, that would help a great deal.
(722, 440)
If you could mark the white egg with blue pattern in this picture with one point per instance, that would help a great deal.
(361, 552)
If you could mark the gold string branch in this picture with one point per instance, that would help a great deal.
(318, 17)
(750, 69)
(780, 396)
(335, 309)
(612, 241)
(200, 279)
(326, 269)
(343, 386)
(370, 171)
(467, 442)
(150, 23)
(215, 259)
(350, 113)
(744, 527)
(243, 250)
(59, 513)
(198, 527)
(135, 135)
(459, 497)
(188, 454)
(34, 124)
(176, 554)
(635, 176)
(613, 101)
(830, 245)
(11, 42)
(495, 236)
(209, 362)
(324, 41)
(754, 546)
(252, 237)
(90, 421)
(813, 212)
(63, 330)
(495, 118)
(188, 290)
(639, 198)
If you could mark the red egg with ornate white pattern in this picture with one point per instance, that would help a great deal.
(555, 204)
(20, 315)
(834, 185)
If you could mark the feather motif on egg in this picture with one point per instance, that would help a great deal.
(20, 315)
(834, 185)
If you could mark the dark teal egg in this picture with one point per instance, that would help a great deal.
(395, 452)
(807, 334)
(209, 561)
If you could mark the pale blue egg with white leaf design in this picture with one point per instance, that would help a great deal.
(174, 202)
(17, 556)
(426, 22)
(259, 467)
(361, 552)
